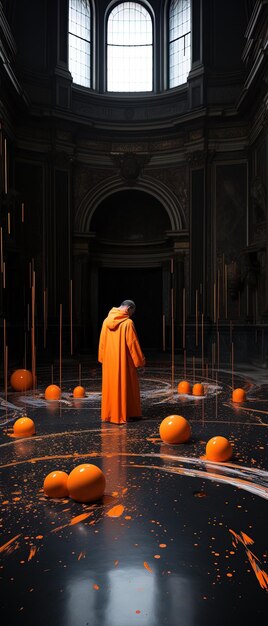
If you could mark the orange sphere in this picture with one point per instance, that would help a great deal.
(218, 449)
(53, 392)
(198, 389)
(55, 484)
(86, 483)
(184, 387)
(79, 392)
(24, 427)
(175, 429)
(21, 380)
(239, 395)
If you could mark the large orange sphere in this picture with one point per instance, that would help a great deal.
(86, 483)
(21, 380)
(175, 429)
(55, 484)
(218, 449)
(24, 427)
(184, 387)
(198, 389)
(53, 392)
(79, 392)
(239, 395)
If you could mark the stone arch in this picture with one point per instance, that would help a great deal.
(102, 190)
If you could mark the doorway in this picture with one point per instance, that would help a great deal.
(144, 286)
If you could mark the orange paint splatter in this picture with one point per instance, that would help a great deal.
(127, 516)
(162, 545)
(260, 574)
(147, 567)
(79, 518)
(246, 538)
(116, 511)
(6, 545)
(74, 520)
(39, 536)
(229, 575)
(95, 586)
(157, 556)
(116, 563)
(33, 550)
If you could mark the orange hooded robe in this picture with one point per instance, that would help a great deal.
(120, 354)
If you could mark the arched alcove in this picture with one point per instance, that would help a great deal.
(130, 235)
(129, 217)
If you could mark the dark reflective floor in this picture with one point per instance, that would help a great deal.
(186, 544)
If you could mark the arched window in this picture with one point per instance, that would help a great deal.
(179, 41)
(80, 41)
(129, 48)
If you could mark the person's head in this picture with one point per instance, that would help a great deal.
(129, 306)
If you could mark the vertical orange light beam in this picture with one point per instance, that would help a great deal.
(6, 370)
(71, 316)
(33, 331)
(218, 298)
(4, 275)
(202, 344)
(215, 303)
(60, 344)
(232, 365)
(44, 317)
(5, 341)
(226, 292)
(196, 317)
(193, 369)
(164, 333)
(172, 340)
(25, 350)
(5, 166)
(1, 249)
(183, 318)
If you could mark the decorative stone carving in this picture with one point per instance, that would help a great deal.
(130, 164)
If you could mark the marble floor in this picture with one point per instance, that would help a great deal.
(176, 540)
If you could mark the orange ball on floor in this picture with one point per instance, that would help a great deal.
(24, 427)
(184, 387)
(53, 392)
(21, 380)
(79, 392)
(86, 483)
(175, 429)
(239, 395)
(218, 449)
(55, 484)
(198, 389)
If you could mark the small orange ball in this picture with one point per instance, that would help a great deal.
(239, 395)
(175, 429)
(86, 483)
(218, 449)
(198, 389)
(24, 427)
(55, 484)
(53, 392)
(21, 380)
(184, 387)
(79, 392)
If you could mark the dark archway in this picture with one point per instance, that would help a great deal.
(130, 228)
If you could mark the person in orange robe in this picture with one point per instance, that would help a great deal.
(120, 354)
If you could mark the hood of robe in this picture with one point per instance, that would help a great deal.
(116, 317)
